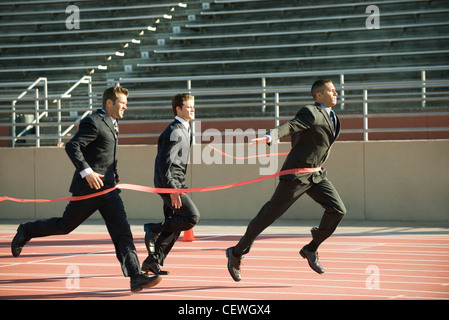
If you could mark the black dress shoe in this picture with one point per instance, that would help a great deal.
(141, 281)
(18, 242)
(312, 258)
(154, 268)
(151, 236)
(234, 264)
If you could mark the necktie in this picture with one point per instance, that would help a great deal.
(115, 124)
(189, 130)
(334, 121)
(115, 127)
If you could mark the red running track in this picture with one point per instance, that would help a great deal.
(358, 267)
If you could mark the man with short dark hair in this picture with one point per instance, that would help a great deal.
(170, 167)
(313, 131)
(93, 151)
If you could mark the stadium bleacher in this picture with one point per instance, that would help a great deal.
(36, 41)
(270, 36)
(149, 46)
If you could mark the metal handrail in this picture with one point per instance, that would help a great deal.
(84, 80)
(38, 116)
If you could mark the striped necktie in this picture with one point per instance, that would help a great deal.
(115, 123)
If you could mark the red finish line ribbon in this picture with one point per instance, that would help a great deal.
(135, 187)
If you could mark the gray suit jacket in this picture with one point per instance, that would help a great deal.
(312, 135)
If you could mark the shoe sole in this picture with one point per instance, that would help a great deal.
(147, 268)
(148, 285)
(228, 252)
(161, 273)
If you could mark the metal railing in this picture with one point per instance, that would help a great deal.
(38, 115)
(35, 124)
(356, 101)
(84, 80)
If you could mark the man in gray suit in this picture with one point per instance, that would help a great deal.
(313, 131)
(170, 167)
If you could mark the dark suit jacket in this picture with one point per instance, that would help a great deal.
(312, 135)
(173, 150)
(94, 146)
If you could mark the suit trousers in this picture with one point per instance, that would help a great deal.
(286, 193)
(176, 220)
(113, 212)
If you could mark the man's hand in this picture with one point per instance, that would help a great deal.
(176, 200)
(94, 180)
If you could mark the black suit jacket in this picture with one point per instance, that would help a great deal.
(94, 146)
(312, 135)
(173, 150)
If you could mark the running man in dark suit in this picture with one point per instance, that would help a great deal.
(313, 131)
(93, 151)
(170, 167)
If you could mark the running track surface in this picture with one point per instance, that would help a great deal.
(358, 267)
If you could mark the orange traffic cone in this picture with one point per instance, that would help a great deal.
(188, 236)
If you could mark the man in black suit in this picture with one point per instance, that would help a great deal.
(313, 131)
(93, 151)
(170, 167)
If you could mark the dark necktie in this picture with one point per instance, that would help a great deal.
(334, 121)
(189, 130)
(115, 124)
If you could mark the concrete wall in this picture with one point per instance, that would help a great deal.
(383, 180)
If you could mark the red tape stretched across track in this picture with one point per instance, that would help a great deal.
(167, 190)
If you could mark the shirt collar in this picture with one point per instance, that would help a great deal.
(328, 110)
(112, 119)
(184, 123)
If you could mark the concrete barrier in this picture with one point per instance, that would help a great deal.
(381, 180)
